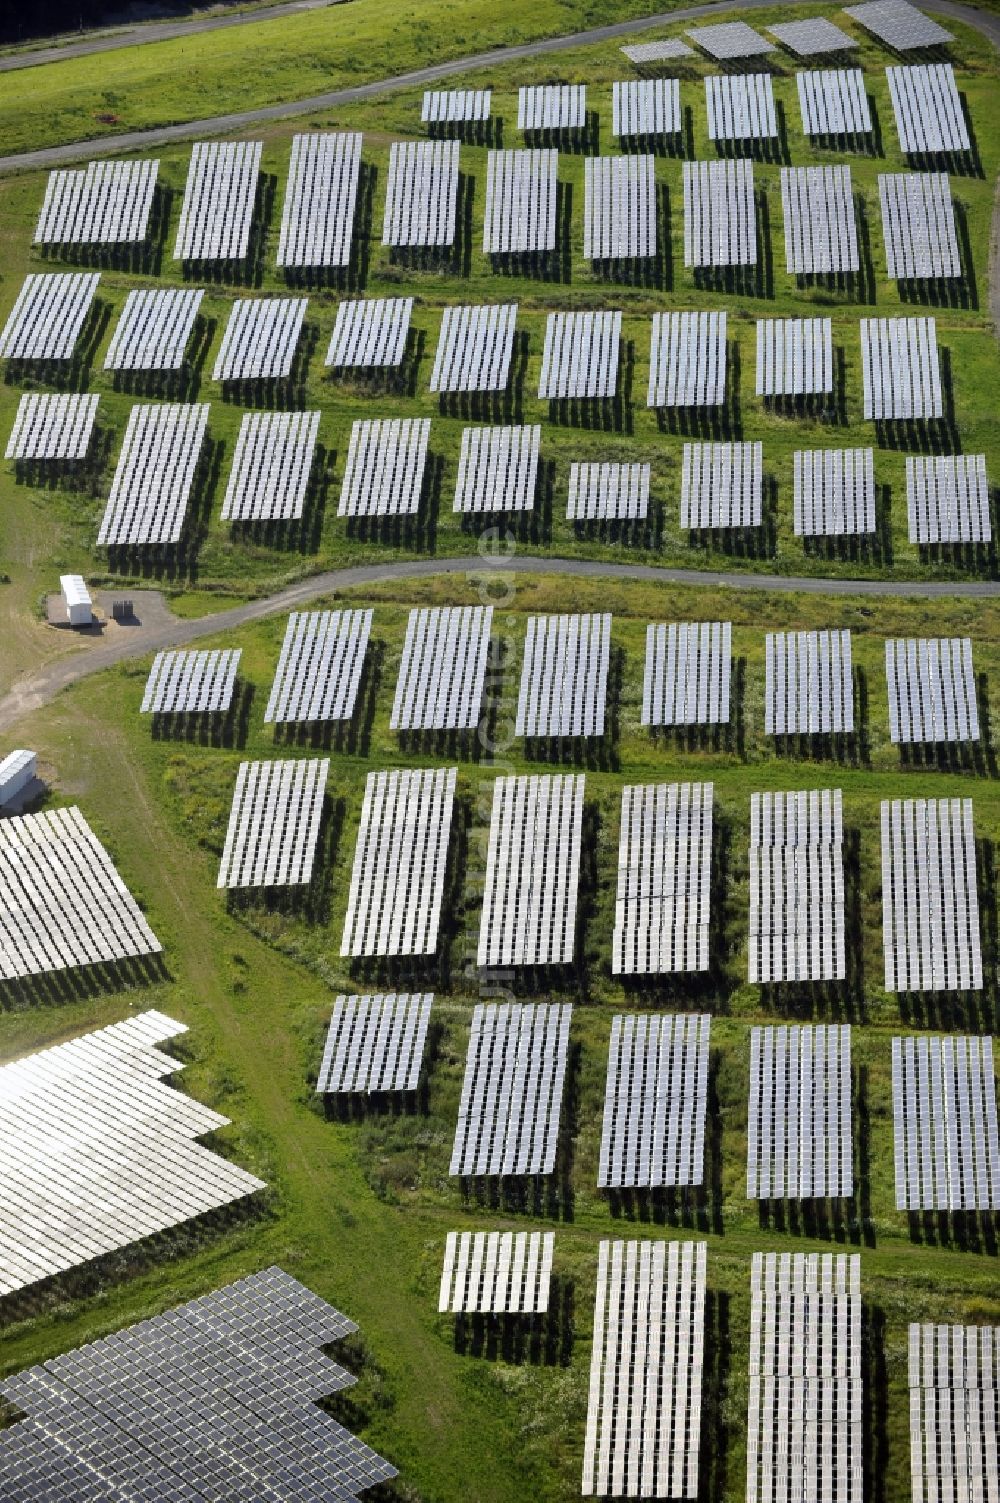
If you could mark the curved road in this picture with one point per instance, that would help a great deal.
(40, 688)
(54, 156)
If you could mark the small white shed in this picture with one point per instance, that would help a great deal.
(16, 771)
(79, 606)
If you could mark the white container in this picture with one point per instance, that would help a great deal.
(79, 606)
(16, 772)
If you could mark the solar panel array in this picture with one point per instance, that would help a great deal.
(442, 674)
(319, 666)
(932, 690)
(532, 871)
(730, 40)
(643, 1436)
(928, 109)
(98, 1152)
(580, 357)
(370, 333)
(687, 360)
(954, 1431)
(720, 227)
(317, 219)
(400, 860)
(655, 1102)
(521, 200)
(214, 1399)
(899, 25)
(154, 328)
(498, 469)
(918, 222)
(421, 198)
(944, 1111)
(271, 467)
(740, 107)
(497, 1273)
(809, 685)
(260, 339)
(48, 315)
(104, 203)
(564, 676)
(646, 107)
(930, 900)
(552, 107)
(805, 1418)
(455, 106)
(821, 235)
(899, 366)
(796, 887)
(667, 50)
(722, 485)
(834, 492)
(384, 473)
(687, 671)
(794, 356)
(608, 492)
(813, 37)
(475, 348)
(53, 425)
(154, 475)
(799, 1143)
(508, 1116)
(664, 890)
(274, 823)
(191, 683)
(619, 208)
(219, 197)
(375, 1043)
(834, 103)
(948, 499)
(62, 902)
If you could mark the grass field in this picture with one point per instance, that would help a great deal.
(358, 1206)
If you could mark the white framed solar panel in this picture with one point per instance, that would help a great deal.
(722, 485)
(720, 223)
(522, 195)
(317, 217)
(608, 492)
(63, 903)
(154, 329)
(274, 823)
(475, 348)
(370, 333)
(104, 203)
(220, 195)
(421, 202)
(48, 315)
(320, 665)
(272, 464)
(260, 339)
(821, 233)
(155, 474)
(384, 472)
(498, 469)
(53, 425)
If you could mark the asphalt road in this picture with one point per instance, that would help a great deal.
(54, 156)
(41, 687)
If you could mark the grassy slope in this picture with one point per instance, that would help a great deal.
(359, 1208)
(41, 529)
(272, 61)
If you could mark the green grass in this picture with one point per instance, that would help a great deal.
(222, 560)
(268, 62)
(359, 1208)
